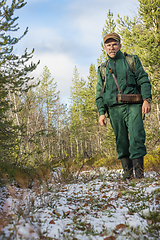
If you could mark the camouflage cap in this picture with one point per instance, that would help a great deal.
(113, 35)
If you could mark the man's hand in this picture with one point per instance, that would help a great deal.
(146, 107)
(103, 120)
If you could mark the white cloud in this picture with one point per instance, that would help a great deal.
(89, 16)
(70, 36)
(61, 68)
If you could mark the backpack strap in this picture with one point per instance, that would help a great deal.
(132, 65)
(103, 67)
(131, 61)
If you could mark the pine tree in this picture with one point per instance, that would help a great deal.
(90, 113)
(149, 11)
(14, 77)
(109, 26)
(47, 96)
(77, 107)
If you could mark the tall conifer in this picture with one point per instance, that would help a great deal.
(13, 76)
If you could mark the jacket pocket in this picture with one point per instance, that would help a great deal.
(130, 79)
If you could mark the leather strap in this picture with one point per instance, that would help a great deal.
(115, 79)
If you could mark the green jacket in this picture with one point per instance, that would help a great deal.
(128, 81)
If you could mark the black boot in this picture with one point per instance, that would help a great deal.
(127, 168)
(138, 167)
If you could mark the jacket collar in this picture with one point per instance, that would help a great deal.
(118, 55)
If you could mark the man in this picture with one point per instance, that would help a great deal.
(126, 119)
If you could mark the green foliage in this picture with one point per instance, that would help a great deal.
(78, 101)
(13, 78)
(77, 109)
(109, 26)
(47, 97)
(152, 160)
(84, 127)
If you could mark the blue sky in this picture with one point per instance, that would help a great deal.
(65, 33)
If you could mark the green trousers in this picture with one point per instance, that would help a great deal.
(127, 124)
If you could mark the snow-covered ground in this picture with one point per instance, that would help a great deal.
(103, 207)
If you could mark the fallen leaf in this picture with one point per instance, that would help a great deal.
(109, 205)
(111, 199)
(149, 222)
(51, 222)
(120, 226)
(119, 195)
(90, 193)
(67, 213)
(85, 205)
(67, 230)
(104, 196)
(31, 231)
(58, 215)
(110, 238)
(130, 213)
(19, 234)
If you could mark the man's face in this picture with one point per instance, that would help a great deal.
(112, 47)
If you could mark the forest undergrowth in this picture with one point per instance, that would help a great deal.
(81, 200)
